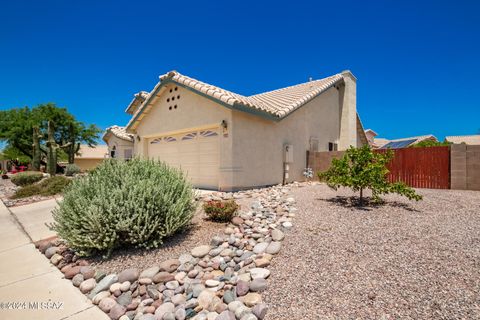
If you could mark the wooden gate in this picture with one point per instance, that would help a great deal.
(427, 167)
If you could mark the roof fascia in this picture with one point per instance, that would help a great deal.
(236, 106)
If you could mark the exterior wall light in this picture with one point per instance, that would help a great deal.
(225, 127)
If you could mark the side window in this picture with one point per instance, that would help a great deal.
(112, 152)
(332, 146)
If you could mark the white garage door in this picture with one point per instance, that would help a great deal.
(196, 152)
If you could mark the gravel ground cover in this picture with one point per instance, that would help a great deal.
(400, 260)
(201, 231)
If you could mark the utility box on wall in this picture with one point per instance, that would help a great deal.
(288, 151)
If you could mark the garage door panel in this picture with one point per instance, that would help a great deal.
(196, 153)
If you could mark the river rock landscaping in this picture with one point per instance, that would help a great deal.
(8, 189)
(220, 280)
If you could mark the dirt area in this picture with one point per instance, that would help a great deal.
(416, 260)
(200, 232)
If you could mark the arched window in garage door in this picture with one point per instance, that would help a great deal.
(208, 133)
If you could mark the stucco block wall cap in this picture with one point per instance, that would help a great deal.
(274, 104)
(118, 132)
(469, 139)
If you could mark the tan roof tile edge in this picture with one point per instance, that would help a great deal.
(236, 100)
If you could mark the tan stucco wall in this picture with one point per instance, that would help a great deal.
(193, 111)
(348, 112)
(87, 164)
(258, 144)
(120, 146)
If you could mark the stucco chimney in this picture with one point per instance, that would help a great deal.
(348, 111)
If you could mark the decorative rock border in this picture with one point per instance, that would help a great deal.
(219, 281)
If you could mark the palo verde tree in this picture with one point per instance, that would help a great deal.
(360, 169)
(16, 131)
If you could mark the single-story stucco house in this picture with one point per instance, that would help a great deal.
(89, 158)
(227, 141)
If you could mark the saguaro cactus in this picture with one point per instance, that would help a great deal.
(36, 154)
(52, 147)
(72, 146)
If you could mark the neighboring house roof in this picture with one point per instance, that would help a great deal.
(275, 104)
(372, 132)
(97, 152)
(471, 139)
(138, 99)
(406, 142)
(378, 142)
(118, 132)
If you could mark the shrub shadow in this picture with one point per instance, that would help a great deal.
(368, 203)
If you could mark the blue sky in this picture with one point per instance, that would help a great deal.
(417, 62)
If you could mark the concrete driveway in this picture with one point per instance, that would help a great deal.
(30, 287)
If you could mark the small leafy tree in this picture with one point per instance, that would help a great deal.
(16, 132)
(430, 143)
(360, 169)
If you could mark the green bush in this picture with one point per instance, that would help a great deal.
(71, 169)
(137, 202)
(48, 187)
(53, 185)
(26, 178)
(220, 211)
(27, 191)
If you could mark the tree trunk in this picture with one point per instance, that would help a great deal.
(361, 197)
(36, 150)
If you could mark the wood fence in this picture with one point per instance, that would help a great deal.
(427, 167)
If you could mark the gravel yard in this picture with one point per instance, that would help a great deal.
(418, 260)
(200, 232)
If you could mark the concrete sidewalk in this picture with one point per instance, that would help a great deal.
(34, 216)
(28, 279)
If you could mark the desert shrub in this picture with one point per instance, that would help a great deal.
(26, 178)
(124, 203)
(71, 169)
(53, 185)
(362, 168)
(27, 191)
(47, 187)
(220, 211)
